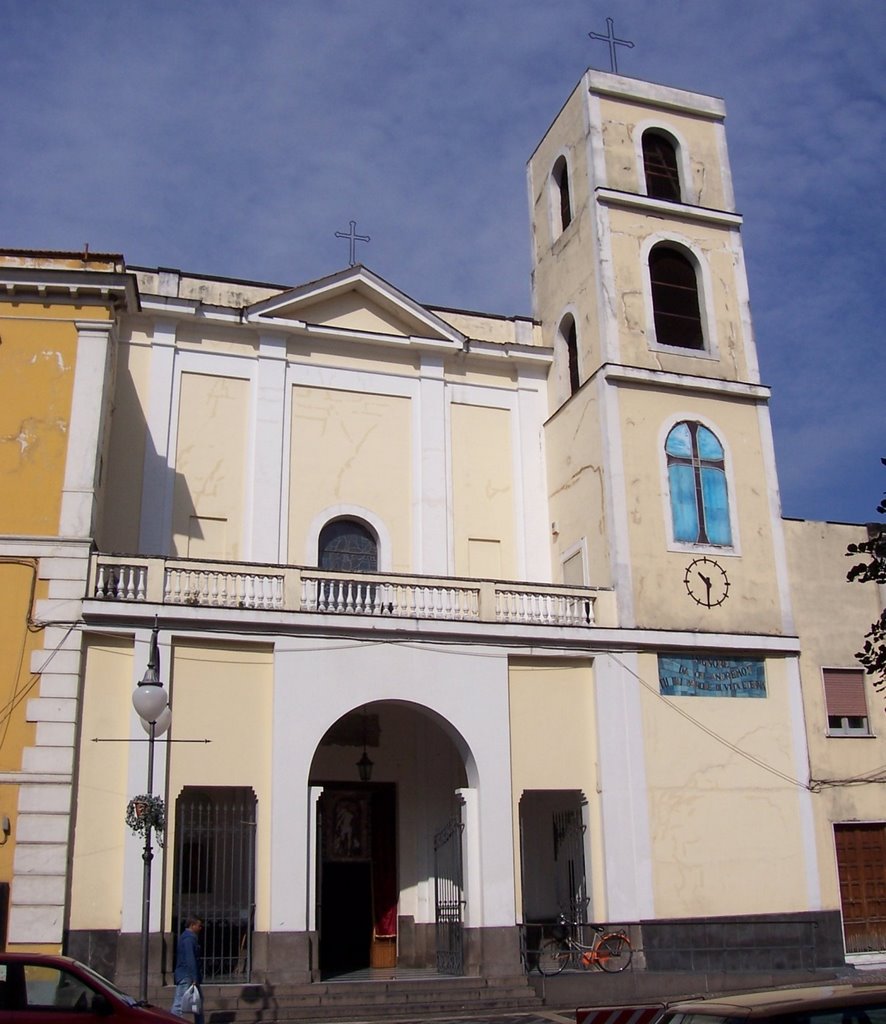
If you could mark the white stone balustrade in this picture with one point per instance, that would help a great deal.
(203, 584)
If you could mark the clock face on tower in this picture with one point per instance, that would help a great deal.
(706, 582)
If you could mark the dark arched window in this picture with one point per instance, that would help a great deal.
(560, 175)
(660, 167)
(675, 299)
(697, 485)
(568, 334)
(347, 545)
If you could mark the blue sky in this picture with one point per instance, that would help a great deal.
(236, 138)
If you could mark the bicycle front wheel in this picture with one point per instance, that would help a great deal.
(614, 952)
(552, 958)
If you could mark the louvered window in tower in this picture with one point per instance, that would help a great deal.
(660, 167)
(675, 299)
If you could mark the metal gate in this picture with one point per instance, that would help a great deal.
(214, 875)
(448, 898)
(569, 865)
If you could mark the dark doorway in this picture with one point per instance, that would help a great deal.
(358, 888)
(346, 917)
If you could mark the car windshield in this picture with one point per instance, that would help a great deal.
(103, 981)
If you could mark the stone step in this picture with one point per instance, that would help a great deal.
(360, 1000)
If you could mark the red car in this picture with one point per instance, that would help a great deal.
(39, 989)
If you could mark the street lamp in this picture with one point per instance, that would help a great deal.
(149, 701)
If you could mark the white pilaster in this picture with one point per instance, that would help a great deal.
(471, 859)
(159, 467)
(264, 495)
(429, 505)
(626, 835)
(88, 400)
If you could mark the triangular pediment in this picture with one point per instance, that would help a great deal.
(355, 300)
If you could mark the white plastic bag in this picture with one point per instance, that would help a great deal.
(192, 1001)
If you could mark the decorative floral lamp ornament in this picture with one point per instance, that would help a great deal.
(143, 812)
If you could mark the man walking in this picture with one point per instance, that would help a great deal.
(188, 970)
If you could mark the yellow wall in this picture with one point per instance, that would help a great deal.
(832, 615)
(575, 485)
(726, 832)
(210, 467)
(17, 685)
(631, 231)
(621, 123)
(482, 492)
(37, 358)
(659, 592)
(100, 829)
(552, 709)
(223, 693)
(350, 448)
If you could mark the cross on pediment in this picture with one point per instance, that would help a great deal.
(353, 238)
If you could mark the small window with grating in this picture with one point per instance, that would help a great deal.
(846, 702)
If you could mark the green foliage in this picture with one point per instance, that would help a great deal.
(143, 811)
(873, 570)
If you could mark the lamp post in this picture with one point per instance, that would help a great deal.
(149, 701)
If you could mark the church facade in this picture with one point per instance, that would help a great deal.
(467, 622)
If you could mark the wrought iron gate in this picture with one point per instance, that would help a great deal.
(569, 865)
(215, 875)
(448, 898)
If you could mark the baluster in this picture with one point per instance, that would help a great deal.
(141, 582)
(338, 601)
(100, 582)
(130, 583)
(349, 599)
(279, 596)
(322, 595)
(305, 606)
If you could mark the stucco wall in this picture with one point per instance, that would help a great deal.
(37, 360)
(483, 496)
(355, 449)
(724, 800)
(100, 836)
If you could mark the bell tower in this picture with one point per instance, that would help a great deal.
(659, 447)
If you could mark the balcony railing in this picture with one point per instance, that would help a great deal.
(173, 581)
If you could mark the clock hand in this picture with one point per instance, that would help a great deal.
(707, 582)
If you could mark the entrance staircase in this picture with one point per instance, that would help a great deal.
(368, 995)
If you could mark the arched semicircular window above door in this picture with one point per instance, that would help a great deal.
(347, 545)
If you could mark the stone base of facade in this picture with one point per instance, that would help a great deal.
(774, 943)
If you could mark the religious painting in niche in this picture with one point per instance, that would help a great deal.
(346, 827)
(711, 676)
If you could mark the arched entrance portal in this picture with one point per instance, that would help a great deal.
(388, 776)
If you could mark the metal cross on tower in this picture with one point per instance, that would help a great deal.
(613, 42)
(353, 238)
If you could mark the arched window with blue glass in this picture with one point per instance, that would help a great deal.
(697, 484)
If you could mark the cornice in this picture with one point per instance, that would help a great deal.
(663, 208)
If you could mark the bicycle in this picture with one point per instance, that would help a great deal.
(610, 951)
